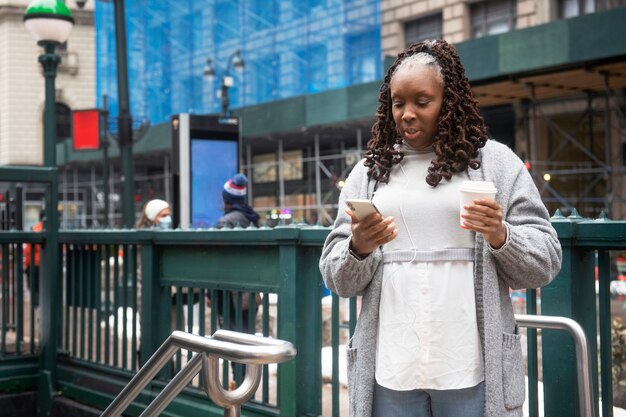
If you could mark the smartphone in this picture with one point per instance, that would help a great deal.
(361, 208)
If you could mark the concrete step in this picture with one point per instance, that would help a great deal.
(64, 407)
(21, 404)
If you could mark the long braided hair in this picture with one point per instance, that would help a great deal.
(461, 130)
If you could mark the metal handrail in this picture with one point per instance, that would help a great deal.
(586, 399)
(254, 351)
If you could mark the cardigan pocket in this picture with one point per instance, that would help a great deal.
(513, 382)
(351, 353)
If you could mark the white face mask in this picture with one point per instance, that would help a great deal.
(165, 223)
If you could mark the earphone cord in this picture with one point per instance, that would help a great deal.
(402, 215)
(412, 311)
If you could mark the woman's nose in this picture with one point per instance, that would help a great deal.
(408, 116)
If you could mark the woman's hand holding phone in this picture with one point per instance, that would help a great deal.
(371, 232)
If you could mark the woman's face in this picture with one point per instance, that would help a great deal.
(416, 98)
(163, 213)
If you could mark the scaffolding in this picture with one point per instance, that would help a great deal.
(574, 149)
(290, 48)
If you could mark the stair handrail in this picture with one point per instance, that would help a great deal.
(586, 401)
(248, 349)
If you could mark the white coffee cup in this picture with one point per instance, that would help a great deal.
(473, 190)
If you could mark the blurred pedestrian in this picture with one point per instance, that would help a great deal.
(236, 209)
(32, 269)
(156, 213)
(237, 212)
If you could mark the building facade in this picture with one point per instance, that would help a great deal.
(22, 88)
(22, 82)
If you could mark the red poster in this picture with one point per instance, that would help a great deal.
(86, 129)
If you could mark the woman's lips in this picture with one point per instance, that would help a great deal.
(411, 133)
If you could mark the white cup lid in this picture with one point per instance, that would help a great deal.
(478, 187)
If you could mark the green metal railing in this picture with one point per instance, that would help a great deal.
(586, 247)
(19, 344)
(34, 365)
(123, 292)
(116, 283)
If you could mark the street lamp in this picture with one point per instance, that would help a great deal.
(235, 62)
(50, 23)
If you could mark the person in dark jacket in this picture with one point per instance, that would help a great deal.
(236, 209)
(237, 212)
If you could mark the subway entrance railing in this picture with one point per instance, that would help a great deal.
(240, 347)
(121, 293)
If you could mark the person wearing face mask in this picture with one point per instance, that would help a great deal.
(156, 213)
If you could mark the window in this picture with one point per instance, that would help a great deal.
(429, 27)
(609, 4)
(493, 17)
(573, 8)
(362, 65)
(64, 122)
(316, 5)
(264, 168)
(266, 67)
(317, 66)
(292, 165)
(260, 15)
(226, 21)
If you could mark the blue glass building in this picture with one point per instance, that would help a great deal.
(290, 48)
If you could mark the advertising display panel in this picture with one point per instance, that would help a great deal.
(205, 155)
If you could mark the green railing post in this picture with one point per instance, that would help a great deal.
(571, 294)
(155, 305)
(50, 304)
(604, 315)
(299, 321)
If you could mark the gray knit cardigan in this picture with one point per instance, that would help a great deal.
(530, 259)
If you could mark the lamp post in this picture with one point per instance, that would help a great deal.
(234, 62)
(124, 118)
(50, 23)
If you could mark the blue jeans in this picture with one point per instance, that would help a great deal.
(466, 402)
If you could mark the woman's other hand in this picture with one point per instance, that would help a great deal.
(370, 233)
(485, 216)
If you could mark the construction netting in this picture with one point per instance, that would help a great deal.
(289, 48)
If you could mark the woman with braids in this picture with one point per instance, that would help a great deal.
(436, 335)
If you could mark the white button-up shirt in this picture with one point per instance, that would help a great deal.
(428, 334)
